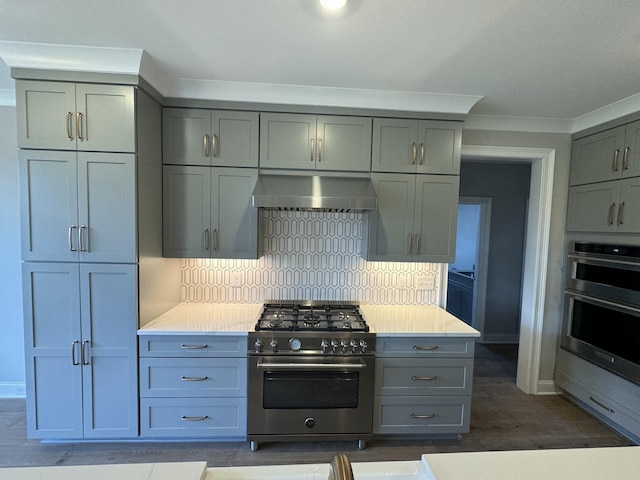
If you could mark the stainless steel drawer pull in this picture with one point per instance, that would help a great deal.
(414, 153)
(69, 125)
(205, 144)
(193, 379)
(625, 159)
(79, 131)
(214, 145)
(80, 237)
(421, 153)
(73, 353)
(430, 347)
(413, 415)
(184, 418)
(193, 347)
(319, 150)
(621, 213)
(71, 247)
(610, 410)
(611, 210)
(86, 360)
(615, 160)
(313, 147)
(414, 377)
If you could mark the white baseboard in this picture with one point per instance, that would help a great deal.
(547, 387)
(12, 390)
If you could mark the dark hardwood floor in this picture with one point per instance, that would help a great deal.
(502, 418)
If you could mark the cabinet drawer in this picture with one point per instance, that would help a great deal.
(192, 346)
(193, 417)
(424, 376)
(424, 347)
(193, 377)
(421, 415)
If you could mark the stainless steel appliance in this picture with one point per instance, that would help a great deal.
(311, 374)
(602, 306)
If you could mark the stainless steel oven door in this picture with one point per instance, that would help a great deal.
(310, 395)
(615, 280)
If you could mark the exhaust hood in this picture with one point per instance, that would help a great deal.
(303, 192)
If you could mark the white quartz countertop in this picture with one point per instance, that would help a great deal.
(209, 318)
(415, 320)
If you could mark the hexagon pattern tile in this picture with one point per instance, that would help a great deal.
(308, 256)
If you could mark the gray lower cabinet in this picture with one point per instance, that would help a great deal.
(311, 142)
(423, 385)
(76, 116)
(209, 137)
(416, 219)
(193, 386)
(78, 206)
(80, 346)
(460, 296)
(416, 146)
(207, 212)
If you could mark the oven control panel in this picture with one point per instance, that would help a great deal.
(327, 345)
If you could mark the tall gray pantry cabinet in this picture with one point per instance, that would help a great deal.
(83, 148)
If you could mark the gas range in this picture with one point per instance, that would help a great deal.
(328, 328)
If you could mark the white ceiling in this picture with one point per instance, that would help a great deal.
(549, 59)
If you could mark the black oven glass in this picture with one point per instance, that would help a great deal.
(613, 331)
(293, 389)
(615, 277)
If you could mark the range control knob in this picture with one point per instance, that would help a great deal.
(344, 345)
(274, 345)
(334, 345)
(259, 345)
(325, 345)
(354, 344)
(363, 346)
(310, 422)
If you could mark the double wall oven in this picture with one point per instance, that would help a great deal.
(602, 306)
(310, 375)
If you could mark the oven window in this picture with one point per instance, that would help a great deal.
(310, 390)
(615, 277)
(610, 330)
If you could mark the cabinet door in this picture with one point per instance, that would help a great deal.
(49, 206)
(628, 218)
(439, 147)
(598, 157)
(631, 164)
(106, 118)
(343, 143)
(52, 350)
(287, 141)
(391, 224)
(436, 217)
(109, 353)
(183, 136)
(234, 139)
(107, 207)
(234, 221)
(186, 211)
(46, 115)
(395, 145)
(593, 208)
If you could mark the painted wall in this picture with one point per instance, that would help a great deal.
(11, 339)
(508, 186)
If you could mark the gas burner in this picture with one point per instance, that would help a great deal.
(342, 315)
(311, 318)
(346, 325)
(276, 321)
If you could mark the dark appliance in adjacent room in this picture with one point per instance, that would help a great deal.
(602, 306)
(311, 374)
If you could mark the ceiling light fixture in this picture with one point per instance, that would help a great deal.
(333, 4)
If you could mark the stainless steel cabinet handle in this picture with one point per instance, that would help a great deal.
(83, 353)
(205, 144)
(215, 239)
(313, 146)
(194, 347)
(625, 158)
(615, 159)
(79, 130)
(73, 353)
(621, 213)
(611, 209)
(193, 379)
(69, 125)
(193, 419)
(81, 246)
(421, 153)
(214, 145)
(205, 239)
(413, 415)
(430, 347)
(610, 410)
(416, 378)
(319, 149)
(71, 247)
(411, 244)
(414, 153)
(418, 244)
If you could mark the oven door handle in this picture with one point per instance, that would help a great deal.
(314, 366)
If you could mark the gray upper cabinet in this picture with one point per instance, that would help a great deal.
(311, 142)
(416, 146)
(80, 345)
(416, 218)
(208, 213)
(608, 155)
(210, 137)
(77, 206)
(69, 116)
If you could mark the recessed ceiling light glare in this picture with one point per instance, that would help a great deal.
(333, 4)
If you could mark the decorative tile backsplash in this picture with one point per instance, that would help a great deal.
(308, 256)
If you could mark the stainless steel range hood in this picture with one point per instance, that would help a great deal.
(301, 192)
